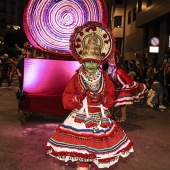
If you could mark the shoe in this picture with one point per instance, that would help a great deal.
(162, 107)
(150, 104)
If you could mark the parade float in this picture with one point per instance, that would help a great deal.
(48, 26)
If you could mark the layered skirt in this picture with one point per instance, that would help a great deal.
(129, 94)
(75, 141)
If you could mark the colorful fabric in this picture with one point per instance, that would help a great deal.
(127, 91)
(75, 142)
(129, 95)
(88, 134)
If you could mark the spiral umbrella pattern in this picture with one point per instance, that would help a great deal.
(49, 24)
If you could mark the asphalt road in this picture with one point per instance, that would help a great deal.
(22, 142)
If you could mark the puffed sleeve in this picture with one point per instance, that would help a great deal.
(124, 78)
(109, 93)
(68, 97)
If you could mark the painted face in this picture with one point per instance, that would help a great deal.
(90, 66)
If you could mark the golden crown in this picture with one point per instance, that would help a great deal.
(91, 50)
(92, 41)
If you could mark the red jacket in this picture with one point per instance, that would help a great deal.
(75, 87)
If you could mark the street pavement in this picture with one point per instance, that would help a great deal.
(22, 142)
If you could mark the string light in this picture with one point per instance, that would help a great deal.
(49, 24)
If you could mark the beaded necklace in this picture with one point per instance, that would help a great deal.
(92, 81)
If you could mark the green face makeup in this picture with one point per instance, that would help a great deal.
(90, 66)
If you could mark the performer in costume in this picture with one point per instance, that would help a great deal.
(89, 134)
(127, 91)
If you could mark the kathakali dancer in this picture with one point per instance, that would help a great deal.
(89, 135)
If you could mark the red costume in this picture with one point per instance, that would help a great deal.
(77, 85)
(89, 134)
(127, 90)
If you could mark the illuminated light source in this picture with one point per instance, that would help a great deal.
(36, 83)
(49, 24)
(154, 49)
(16, 27)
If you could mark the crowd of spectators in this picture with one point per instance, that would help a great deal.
(11, 66)
(157, 79)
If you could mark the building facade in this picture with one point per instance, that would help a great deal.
(135, 23)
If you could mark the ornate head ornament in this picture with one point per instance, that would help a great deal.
(91, 50)
(92, 41)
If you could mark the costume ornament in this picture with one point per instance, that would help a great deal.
(92, 40)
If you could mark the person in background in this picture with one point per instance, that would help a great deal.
(149, 75)
(127, 90)
(157, 87)
(132, 74)
(159, 72)
(139, 72)
(132, 65)
(14, 63)
(167, 82)
(6, 69)
(89, 135)
(20, 66)
(22, 51)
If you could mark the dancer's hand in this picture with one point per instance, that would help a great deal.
(81, 96)
(97, 98)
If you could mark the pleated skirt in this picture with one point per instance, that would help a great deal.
(73, 141)
(129, 95)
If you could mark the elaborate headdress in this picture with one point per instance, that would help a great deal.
(92, 41)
